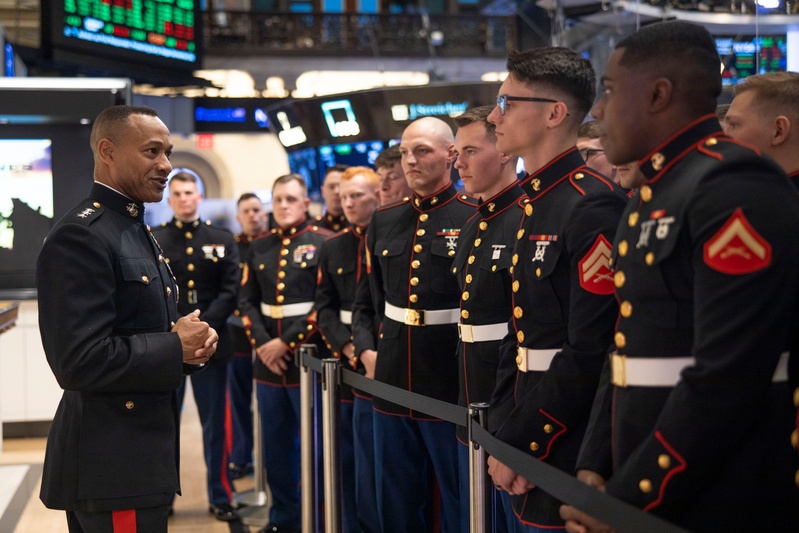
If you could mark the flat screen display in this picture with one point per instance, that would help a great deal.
(743, 56)
(155, 33)
(306, 163)
(361, 153)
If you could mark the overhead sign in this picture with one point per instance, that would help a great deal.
(404, 112)
(340, 118)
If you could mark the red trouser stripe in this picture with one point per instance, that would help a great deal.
(124, 521)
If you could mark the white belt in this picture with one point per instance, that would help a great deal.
(345, 317)
(534, 360)
(488, 332)
(421, 317)
(665, 372)
(286, 311)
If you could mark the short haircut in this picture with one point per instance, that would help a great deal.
(371, 176)
(288, 178)
(185, 177)
(682, 52)
(478, 115)
(589, 129)
(112, 122)
(388, 157)
(721, 111)
(336, 168)
(246, 196)
(775, 93)
(559, 69)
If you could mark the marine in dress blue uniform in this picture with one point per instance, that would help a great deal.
(695, 421)
(410, 246)
(205, 262)
(276, 299)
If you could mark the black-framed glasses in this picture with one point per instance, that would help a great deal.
(588, 153)
(502, 101)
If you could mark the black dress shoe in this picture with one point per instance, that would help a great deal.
(274, 528)
(224, 512)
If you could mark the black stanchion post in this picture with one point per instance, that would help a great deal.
(308, 485)
(330, 432)
(481, 506)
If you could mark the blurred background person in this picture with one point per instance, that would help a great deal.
(393, 186)
(333, 217)
(205, 262)
(765, 114)
(252, 218)
(591, 149)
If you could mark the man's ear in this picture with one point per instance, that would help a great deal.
(662, 92)
(105, 150)
(780, 130)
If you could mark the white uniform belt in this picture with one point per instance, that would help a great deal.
(484, 333)
(421, 317)
(531, 360)
(665, 372)
(345, 317)
(286, 311)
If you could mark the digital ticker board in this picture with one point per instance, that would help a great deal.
(157, 33)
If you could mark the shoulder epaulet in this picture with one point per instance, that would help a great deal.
(468, 200)
(585, 179)
(88, 212)
(392, 205)
(337, 235)
(716, 147)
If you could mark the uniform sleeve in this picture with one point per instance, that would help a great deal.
(596, 453)
(327, 304)
(227, 299)
(742, 322)
(561, 401)
(77, 295)
(368, 299)
(250, 304)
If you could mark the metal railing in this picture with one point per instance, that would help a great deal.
(354, 34)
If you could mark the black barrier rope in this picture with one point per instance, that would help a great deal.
(563, 486)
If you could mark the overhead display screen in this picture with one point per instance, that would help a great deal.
(743, 56)
(163, 33)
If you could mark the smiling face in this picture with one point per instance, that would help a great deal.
(137, 159)
(479, 162)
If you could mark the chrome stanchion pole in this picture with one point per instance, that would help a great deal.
(331, 458)
(480, 510)
(256, 512)
(307, 440)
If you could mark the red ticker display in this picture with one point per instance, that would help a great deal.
(160, 32)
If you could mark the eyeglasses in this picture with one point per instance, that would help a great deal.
(588, 153)
(503, 100)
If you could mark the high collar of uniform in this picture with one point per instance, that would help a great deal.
(334, 219)
(437, 199)
(359, 230)
(671, 150)
(566, 163)
(187, 225)
(508, 196)
(795, 179)
(108, 197)
(291, 232)
(243, 237)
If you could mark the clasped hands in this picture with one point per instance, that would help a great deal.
(199, 340)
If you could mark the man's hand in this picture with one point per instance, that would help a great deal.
(275, 355)
(369, 359)
(577, 521)
(506, 479)
(198, 339)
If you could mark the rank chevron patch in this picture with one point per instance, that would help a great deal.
(737, 248)
(595, 274)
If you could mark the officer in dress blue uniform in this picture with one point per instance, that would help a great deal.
(110, 330)
(252, 217)
(562, 287)
(341, 267)
(695, 421)
(413, 292)
(277, 295)
(205, 262)
(482, 266)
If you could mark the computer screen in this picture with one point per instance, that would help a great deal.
(745, 55)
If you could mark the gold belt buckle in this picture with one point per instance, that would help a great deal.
(192, 296)
(276, 311)
(414, 317)
(521, 358)
(618, 369)
(466, 332)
